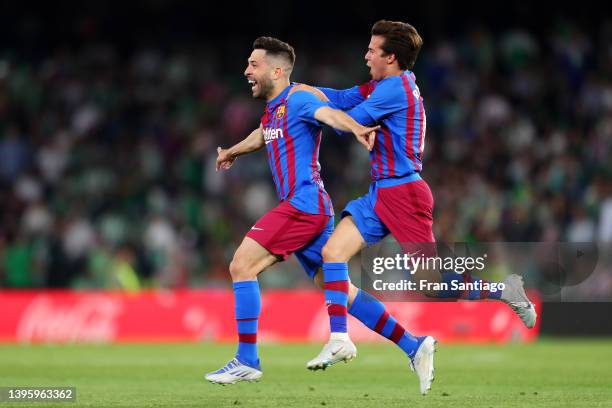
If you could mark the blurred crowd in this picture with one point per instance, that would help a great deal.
(107, 176)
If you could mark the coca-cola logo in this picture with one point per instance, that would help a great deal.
(90, 318)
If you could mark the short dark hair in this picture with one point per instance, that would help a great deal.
(276, 48)
(401, 39)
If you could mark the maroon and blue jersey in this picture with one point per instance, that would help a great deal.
(395, 104)
(293, 136)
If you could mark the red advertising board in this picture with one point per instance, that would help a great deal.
(196, 315)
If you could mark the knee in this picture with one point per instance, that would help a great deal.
(239, 270)
(333, 253)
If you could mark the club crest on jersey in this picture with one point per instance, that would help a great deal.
(280, 112)
(271, 134)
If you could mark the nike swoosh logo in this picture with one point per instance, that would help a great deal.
(336, 352)
(255, 228)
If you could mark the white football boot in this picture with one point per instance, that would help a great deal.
(338, 348)
(422, 363)
(233, 372)
(514, 296)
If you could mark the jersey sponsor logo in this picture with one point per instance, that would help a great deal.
(280, 112)
(271, 134)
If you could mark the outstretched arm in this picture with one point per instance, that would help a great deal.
(253, 142)
(344, 99)
(389, 97)
(341, 121)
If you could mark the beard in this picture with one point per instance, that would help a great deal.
(265, 88)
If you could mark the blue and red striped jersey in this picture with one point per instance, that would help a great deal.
(396, 104)
(293, 137)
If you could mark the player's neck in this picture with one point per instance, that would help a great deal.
(279, 87)
(394, 71)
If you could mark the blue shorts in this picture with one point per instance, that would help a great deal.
(400, 206)
(310, 255)
(370, 226)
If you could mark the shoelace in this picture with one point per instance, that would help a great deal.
(230, 365)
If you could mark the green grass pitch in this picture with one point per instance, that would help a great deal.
(549, 373)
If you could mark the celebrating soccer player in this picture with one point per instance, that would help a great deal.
(303, 221)
(399, 201)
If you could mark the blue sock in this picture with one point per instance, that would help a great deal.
(449, 277)
(371, 312)
(336, 284)
(248, 307)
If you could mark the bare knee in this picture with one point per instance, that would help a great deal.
(240, 270)
(334, 253)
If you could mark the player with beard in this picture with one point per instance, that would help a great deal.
(290, 129)
(399, 203)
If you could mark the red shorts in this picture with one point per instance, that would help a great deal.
(407, 210)
(404, 210)
(285, 229)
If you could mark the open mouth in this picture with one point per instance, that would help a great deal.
(253, 84)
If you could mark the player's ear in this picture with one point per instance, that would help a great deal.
(391, 58)
(279, 72)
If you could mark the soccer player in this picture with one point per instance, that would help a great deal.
(398, 202)
(290, 130)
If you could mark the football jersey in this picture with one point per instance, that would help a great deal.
(292, 137)
(395, 103)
